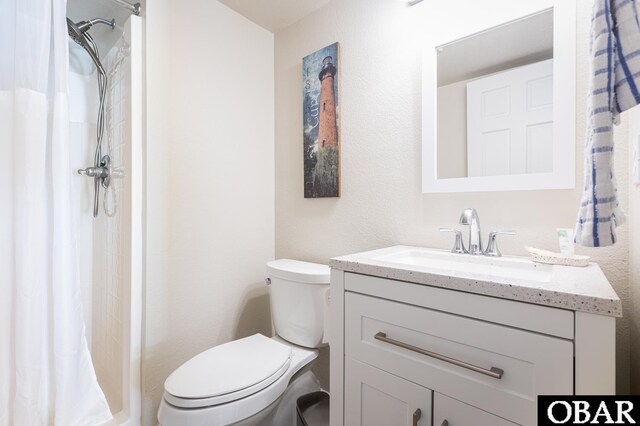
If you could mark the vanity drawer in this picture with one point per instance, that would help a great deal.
(459, 356)
(451, 412)
(527, 316)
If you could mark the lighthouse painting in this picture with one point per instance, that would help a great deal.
(321, 115)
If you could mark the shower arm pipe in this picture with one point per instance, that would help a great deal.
(135, 8)
(85, 25)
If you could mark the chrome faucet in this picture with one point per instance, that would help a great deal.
(470, 217)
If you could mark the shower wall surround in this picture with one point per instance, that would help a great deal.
(112, 253)
(381, 202)
(109, 243)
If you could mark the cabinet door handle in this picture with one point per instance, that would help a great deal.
(417, 415)
(444, 423)
(494, 372)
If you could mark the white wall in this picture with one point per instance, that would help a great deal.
(634, 260)
(381, 201)
(452, 130)
(209, 184)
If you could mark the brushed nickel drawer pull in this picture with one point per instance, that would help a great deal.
(494, 372)
(417, 415)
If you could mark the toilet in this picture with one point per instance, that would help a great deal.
(256, 380)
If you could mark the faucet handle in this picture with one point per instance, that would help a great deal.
(492, 245)
(458, 245)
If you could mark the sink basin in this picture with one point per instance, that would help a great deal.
(465, 265)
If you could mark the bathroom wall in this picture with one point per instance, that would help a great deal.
(209, 184)
(634, 259)
(452, 111)
(382, 203)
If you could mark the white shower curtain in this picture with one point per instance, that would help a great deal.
(46, 374)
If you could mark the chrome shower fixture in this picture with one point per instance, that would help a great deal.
(101, 170)
(135, 8)
(85, 25)
(78, 35)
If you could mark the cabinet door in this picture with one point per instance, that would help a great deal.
(450, 412)
(376, 398)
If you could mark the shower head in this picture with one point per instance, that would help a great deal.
(77, 34)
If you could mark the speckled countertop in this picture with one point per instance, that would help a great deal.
(583, 289)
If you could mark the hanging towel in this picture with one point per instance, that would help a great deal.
(614, 87)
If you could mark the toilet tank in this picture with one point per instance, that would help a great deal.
(298, 291)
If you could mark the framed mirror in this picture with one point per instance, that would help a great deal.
(499, 98)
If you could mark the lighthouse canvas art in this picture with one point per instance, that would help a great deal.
(321, 115)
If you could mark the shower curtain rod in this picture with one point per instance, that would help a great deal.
(134, 8)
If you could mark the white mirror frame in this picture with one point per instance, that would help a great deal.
(448, 25)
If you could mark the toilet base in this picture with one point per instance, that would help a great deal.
(283, 411)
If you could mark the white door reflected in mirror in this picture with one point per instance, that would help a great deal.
(510, 122)
(499, 100)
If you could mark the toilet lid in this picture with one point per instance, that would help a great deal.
(229, 368)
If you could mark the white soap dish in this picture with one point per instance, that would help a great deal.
(552, 258)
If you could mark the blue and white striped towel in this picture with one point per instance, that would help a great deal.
(614, 87)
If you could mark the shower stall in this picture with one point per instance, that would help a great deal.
(106, 136)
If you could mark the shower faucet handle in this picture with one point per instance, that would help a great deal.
(458, 245)
(94, 172)
(101, 171)
(102, 176)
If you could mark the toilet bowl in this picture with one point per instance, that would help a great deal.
(246, 380)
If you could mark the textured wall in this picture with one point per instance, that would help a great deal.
(634, 260)
(382, 203)
(209, 159)
(452, 136)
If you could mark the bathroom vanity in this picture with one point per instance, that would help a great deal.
(422, 336)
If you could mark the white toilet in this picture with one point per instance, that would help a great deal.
(253, 381)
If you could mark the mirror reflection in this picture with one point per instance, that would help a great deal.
(495, 101)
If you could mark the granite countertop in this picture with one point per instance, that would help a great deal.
(584, 289)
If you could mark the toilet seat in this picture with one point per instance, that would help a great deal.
(199, 414)
(228, 372)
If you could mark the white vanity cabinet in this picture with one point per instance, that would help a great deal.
(496, 368)
(407, 353)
